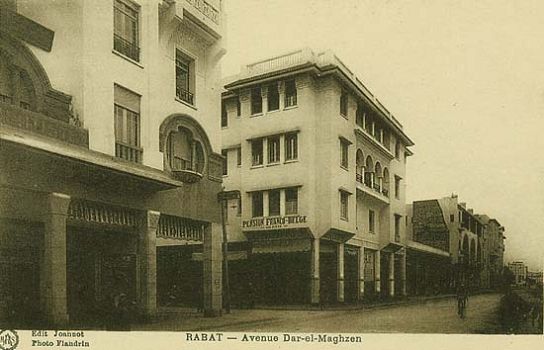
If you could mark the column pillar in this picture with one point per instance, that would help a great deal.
(53, 267)
(314, 288)
(340, 272)
(264, 95)
(266, 211)
(213, 271)
(361, 273)
(282, 200)
(147, 255)
(281, 93)
(403, 274)
(377, 271)
(391, 274)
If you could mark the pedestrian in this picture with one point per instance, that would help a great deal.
(462, 299)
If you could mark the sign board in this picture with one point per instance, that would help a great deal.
(275, 222)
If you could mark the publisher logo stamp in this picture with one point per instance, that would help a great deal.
(8, 340)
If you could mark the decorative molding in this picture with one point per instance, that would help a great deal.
(101, 213)
(206, 9)
(176, 227)
(43, 125)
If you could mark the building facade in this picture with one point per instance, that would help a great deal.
(109, 176)
(519, 269)
(320, 165)
(464, 242)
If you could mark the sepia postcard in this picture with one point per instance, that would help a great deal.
(188, 174)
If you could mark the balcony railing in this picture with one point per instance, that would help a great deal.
(125, 47)
(180, 164)
(128, 152)
(385, 192)
(376, 187)
(359, 178)
(184, 95)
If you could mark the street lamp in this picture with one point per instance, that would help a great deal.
(223, 197)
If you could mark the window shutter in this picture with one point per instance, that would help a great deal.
(127, 99)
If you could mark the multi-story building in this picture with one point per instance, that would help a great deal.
(109, 176)
(440, 228)
(519, 269)
(320, 166)
(494, 250)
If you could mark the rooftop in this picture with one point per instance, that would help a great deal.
(307, 60)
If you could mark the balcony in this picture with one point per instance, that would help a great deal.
(367, 186)
(185, 95)
(126, 48)
(206, 14)
(186, 170)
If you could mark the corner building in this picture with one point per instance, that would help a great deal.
(109, 174)
(320, 166)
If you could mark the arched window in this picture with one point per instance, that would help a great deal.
(385, 184)
(185, 146)
(184, 152)
(465, 250)
(378, 176)
(369, 172)
(359, 166)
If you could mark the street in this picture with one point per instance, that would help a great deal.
(431, 316)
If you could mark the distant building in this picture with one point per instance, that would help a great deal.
(519, 269)
(494, 249)
(320, 164)
(448, 244)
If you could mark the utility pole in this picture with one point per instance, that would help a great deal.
(223, 198)
(226, 288)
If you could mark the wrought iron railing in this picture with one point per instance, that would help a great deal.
(131, 50)
(180, 164)
(376, 187)
(128, 152)
(184, 95)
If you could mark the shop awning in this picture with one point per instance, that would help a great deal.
(392, 247)
(420, 247)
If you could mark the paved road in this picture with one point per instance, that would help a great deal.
(433, 316)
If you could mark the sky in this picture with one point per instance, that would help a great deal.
(465, 78)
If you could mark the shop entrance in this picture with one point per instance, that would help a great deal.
(100, 267)
(351, 274)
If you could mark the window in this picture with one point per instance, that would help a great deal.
(239, 213)
(344, 197)
(184, 152)
(452, 217)
(291, 201)
(127, 125)
(257, 204)
(257, 152)
(290, 93)
(360, 116)
(397, 227)
(224, 115)
(397, 187)
(185, 78)
(274, 203)
(397, 149)
(371, 221)
(344, 104)
(239, 156)
(225, 153)
(273, 149)
(273, 97)
(125, 33)
(291, 146)
(344, 145)
(238, 107)
(256, 101)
